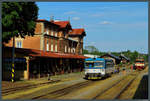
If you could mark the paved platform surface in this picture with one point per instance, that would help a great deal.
(62, 77)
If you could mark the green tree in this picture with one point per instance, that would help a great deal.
(18, 18)
(134, 55)
(145, 56)
(85, 51)
(91, 49)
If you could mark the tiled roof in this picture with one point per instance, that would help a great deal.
(79, 31)
(62, 24)
(62, 55)
(122, 56)
(111, 55)
(39, 53)
(42, 20)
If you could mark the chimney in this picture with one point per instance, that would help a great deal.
(69, 18)
(51, 18)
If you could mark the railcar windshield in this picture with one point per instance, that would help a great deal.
(99, 64)
(139, 61)
(89, 64)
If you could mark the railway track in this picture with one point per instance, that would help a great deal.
(115, 90)
(112, 92)
(63, 91)
(13, 90)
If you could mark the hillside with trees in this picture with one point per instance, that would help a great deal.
(132, 55)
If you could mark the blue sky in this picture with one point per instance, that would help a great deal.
(110, 26)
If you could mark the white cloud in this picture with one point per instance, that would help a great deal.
(76, 18)
(105, 23)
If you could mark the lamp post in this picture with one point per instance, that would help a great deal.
(13, 61)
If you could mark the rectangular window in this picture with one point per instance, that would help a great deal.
(56, 42)
(52, 47)
(19, 44)
(65, 48)
(55, 48)
(47, 32)
(55, 33)
(69, 49)
(52, 32)
(47, 46)
(55, 45)
(51, 44)
(81, 51)
(73, 50)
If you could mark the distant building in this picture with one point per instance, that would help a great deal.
(116, 59)
(124, 59)
(91, 55)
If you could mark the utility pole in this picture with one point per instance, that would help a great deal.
(13, 60)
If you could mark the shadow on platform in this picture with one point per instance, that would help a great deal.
(142, 90)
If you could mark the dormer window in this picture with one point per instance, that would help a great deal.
(70, 31)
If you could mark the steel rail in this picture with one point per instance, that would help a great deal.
(126, 86)
(114, 85)
(12, 90)
(63, 91)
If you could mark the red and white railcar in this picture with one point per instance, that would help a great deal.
(139, 64)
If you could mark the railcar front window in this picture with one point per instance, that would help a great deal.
(139, 61)
(99, 64)
(89, 64)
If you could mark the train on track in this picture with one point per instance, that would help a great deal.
(139, 64)
(96, 68)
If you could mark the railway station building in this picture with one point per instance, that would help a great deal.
(55, 48)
